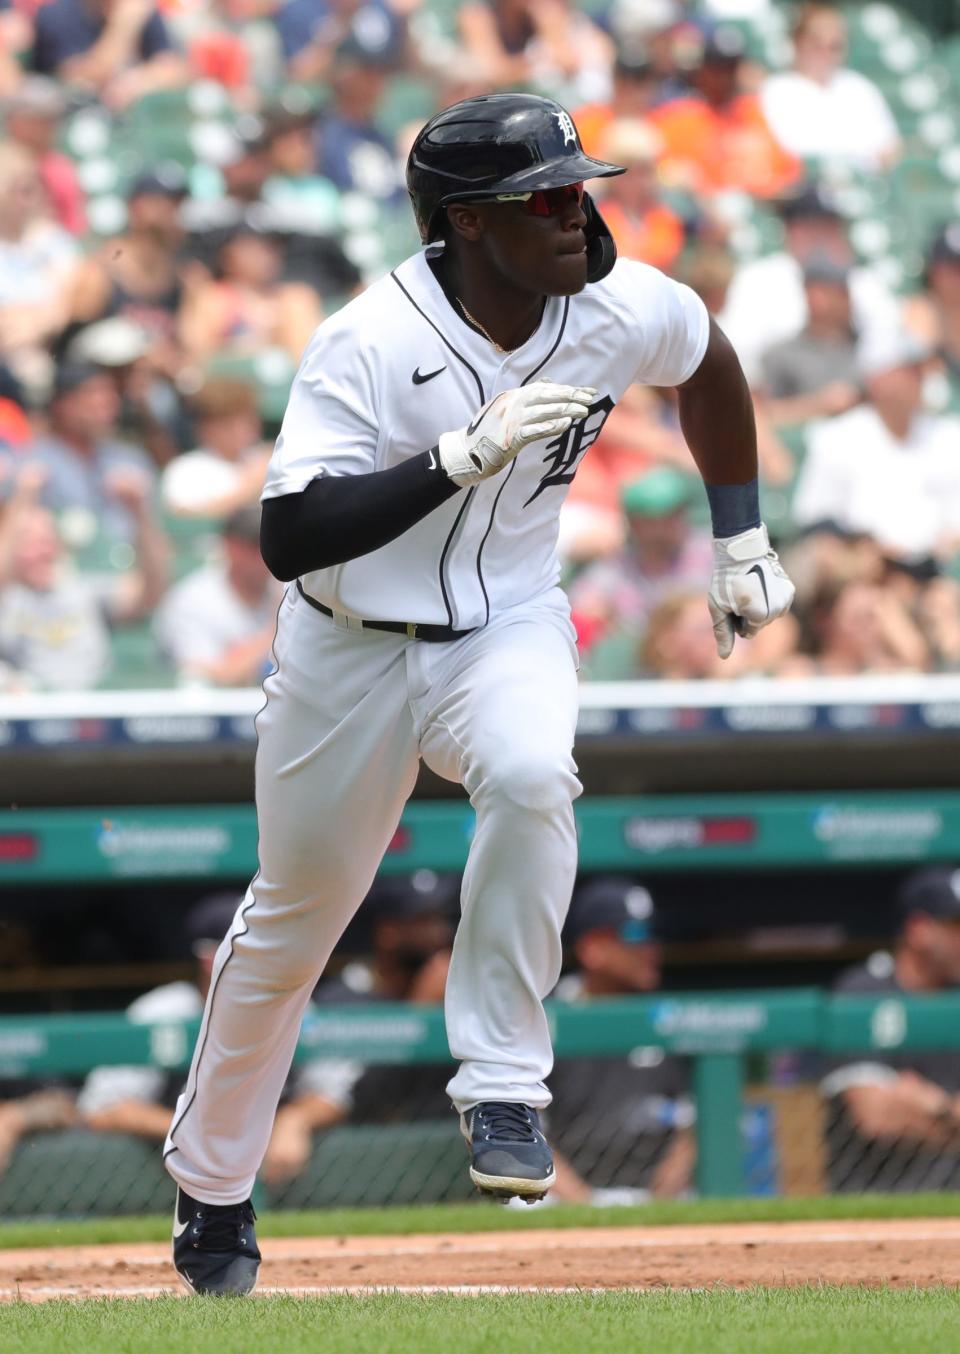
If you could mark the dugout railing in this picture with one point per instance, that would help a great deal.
(720, 1034)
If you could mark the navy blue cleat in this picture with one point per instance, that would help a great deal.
(214, 1246)
(509, 1153)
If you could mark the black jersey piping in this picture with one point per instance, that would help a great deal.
(469, 496)
(493, 511)
(468, 499)
(556, 343)
(443, 338)
(234, 938)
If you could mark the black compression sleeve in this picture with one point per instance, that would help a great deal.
(340, 517)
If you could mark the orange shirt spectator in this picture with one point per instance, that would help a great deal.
(655, 237)
(643, 227)
(636, 88)
(717, 138)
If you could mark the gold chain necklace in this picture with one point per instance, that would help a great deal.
(477, 325)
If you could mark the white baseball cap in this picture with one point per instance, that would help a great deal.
(883, 350)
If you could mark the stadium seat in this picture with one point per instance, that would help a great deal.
(137, 663)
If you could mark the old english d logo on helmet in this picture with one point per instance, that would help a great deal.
(504, 143)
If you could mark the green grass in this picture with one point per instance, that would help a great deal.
(489, 1217)
(756, 1321)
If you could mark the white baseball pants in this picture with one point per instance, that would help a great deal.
(348, 714)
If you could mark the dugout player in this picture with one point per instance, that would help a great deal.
(411, 504)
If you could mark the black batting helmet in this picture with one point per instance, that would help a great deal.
(504, 143)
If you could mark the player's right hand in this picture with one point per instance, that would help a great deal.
(506, 424)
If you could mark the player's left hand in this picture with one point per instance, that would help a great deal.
(749, 588)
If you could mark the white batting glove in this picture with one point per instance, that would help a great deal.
(749, 588)
(506, 424)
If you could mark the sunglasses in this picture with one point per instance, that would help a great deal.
(546, 201)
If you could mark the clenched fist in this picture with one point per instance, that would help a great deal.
(506, 424)
(749, 588)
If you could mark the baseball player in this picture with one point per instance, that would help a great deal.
(411, 504)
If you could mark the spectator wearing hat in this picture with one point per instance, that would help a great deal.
(815, 374)
(38, 267)
(894, 1118)
(140, 1100)
(635, 91)
(552, 45)
(217, 624)
(139, 275)
(119, 50)
(32, 115)
(767, 303)
(412, 927)
(641, 223)
(351, 150)
(229, 193)
(716, 137)
(247, 308)
(934, 315)
(225, 472)
(620, 1126)
(152, 412)
(663, 554)
(822, 110)
(312, 31)
(887, 468)
(55, 624)
(87, 466)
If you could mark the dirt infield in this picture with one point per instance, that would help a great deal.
(901, 1253)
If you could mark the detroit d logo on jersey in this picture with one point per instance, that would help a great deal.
(564, 452)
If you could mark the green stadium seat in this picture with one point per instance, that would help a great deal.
(194, 541)
(159, 125)
(407, 100)
(137, 663)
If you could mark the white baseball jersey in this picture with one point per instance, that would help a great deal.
(381, 380)
(350, 714)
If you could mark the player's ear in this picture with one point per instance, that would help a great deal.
(464, 220)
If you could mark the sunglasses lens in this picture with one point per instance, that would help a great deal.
(549, 201)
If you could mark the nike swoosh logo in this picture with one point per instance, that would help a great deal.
(472, 427)
(178, 1227)
(763, 583)
(419, 377)
(432, 463)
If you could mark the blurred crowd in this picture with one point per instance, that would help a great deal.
(188, 187)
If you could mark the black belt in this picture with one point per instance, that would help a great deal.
(433, 634)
